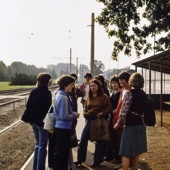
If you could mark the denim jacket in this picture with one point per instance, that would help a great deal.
(63, 112)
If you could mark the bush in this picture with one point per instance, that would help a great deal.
(23, 79)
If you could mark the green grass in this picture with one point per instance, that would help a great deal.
(6, 86)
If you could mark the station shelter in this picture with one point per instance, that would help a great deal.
(156, 72)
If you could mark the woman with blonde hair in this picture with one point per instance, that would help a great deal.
(133, 141)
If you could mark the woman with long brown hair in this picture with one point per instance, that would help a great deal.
(97, 104)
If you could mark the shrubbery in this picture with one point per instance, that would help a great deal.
(23, 79)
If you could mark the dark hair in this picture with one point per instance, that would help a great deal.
(124, 75)
(88, 75)
(99, 91)
(136, 80)
(74, 75)
(116, 79)
(101, 79)
(43, 79)
(64, 81)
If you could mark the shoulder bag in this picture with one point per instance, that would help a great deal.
(99, 130)
(49, 121)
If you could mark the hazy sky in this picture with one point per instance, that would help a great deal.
(41, 32)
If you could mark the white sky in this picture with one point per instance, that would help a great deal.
(41, 32)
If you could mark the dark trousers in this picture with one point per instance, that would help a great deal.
(51, 147)
(99, 151)
(62, 146)
(116, 143)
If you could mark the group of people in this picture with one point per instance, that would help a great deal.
(124, 109)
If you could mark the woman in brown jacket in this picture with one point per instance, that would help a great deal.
(97, 104)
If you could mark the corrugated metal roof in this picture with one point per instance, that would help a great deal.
(155, 62)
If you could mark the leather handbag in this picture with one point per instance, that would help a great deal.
(73, 135)
(99, 130)
(26, 117)
(150, 116)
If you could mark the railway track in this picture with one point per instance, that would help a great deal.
(10, 126)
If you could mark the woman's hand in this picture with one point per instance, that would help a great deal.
(100, 114)
(116, 126)
(77, 114)
(114, 111)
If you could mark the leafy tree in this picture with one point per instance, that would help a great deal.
(53, 74)
(122, 19)
(3, 72)
(19, 67)
(98, 67)
(110, 72)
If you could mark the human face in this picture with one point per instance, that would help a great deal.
(69, 87)
(114, 85)
(123, 82)
(87, 79)
(93, 88)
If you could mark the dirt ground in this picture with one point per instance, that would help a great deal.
(158, 155)
(16, 145)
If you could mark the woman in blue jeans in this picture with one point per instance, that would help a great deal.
(37, 106)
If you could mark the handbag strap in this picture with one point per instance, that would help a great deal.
(50, 108)
(137, 114)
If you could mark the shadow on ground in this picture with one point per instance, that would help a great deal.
(144, 166)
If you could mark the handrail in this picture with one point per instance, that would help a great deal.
(20, 98)
(13, 101)
(6, 103)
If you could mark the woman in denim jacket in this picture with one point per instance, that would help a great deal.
(64, 116)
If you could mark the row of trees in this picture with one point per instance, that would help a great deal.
(11, 72)
(8, 72)
(19, 73)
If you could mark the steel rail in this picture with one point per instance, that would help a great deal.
(10, 126)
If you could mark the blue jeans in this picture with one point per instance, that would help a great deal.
(82, 147)
(40, 152)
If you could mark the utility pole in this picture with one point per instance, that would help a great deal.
(92, 45)
(77, 66)
(70, 59)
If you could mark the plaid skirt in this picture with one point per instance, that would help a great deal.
(133, 141)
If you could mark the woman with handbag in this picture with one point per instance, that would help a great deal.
(96, 105)
(133, 140)
(38, 104)
(64, 117)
